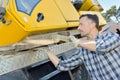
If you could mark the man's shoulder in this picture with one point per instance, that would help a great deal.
(108, 34)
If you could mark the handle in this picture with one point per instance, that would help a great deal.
(40, 17)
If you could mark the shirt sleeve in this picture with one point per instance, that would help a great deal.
(107, 42)
(70, 63)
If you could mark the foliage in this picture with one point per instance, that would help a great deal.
(113, 12)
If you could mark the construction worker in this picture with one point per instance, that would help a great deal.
(100, 53)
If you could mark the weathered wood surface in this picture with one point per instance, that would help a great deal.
(35, 41)
(30, 50)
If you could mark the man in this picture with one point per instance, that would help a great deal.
(100, 53)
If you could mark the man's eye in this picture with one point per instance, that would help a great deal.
(81, 24)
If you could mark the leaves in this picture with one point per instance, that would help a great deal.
(113, 12)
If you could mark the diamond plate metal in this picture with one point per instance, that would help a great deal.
(23, 59)
(57, 49)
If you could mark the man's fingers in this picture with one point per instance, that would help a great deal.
(72, 38)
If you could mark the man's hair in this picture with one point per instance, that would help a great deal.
(92, 17)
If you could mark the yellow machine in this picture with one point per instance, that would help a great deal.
(20, 18)
(28, 27)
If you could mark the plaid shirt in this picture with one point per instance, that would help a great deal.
(103, 64)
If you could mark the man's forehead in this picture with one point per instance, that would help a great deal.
(83, 19)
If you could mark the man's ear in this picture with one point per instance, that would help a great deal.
(93, 25)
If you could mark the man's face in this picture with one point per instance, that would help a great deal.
(85, 26)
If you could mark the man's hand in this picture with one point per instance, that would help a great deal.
(75, 41)
(55, 60)
(88, 44)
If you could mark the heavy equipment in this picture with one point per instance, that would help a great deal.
(29, 26)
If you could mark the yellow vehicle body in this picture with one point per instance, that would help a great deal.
(91, 5)
(23, 18)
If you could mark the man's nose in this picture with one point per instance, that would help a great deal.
(78, 28)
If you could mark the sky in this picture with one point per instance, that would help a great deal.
(106, 4)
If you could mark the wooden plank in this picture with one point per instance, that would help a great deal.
(35, 41)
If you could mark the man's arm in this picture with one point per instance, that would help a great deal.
(55, 60)
(88, 44)
(107, 42)
(103, 44)
(67, 64)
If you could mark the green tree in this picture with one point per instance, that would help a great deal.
(113, 12)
